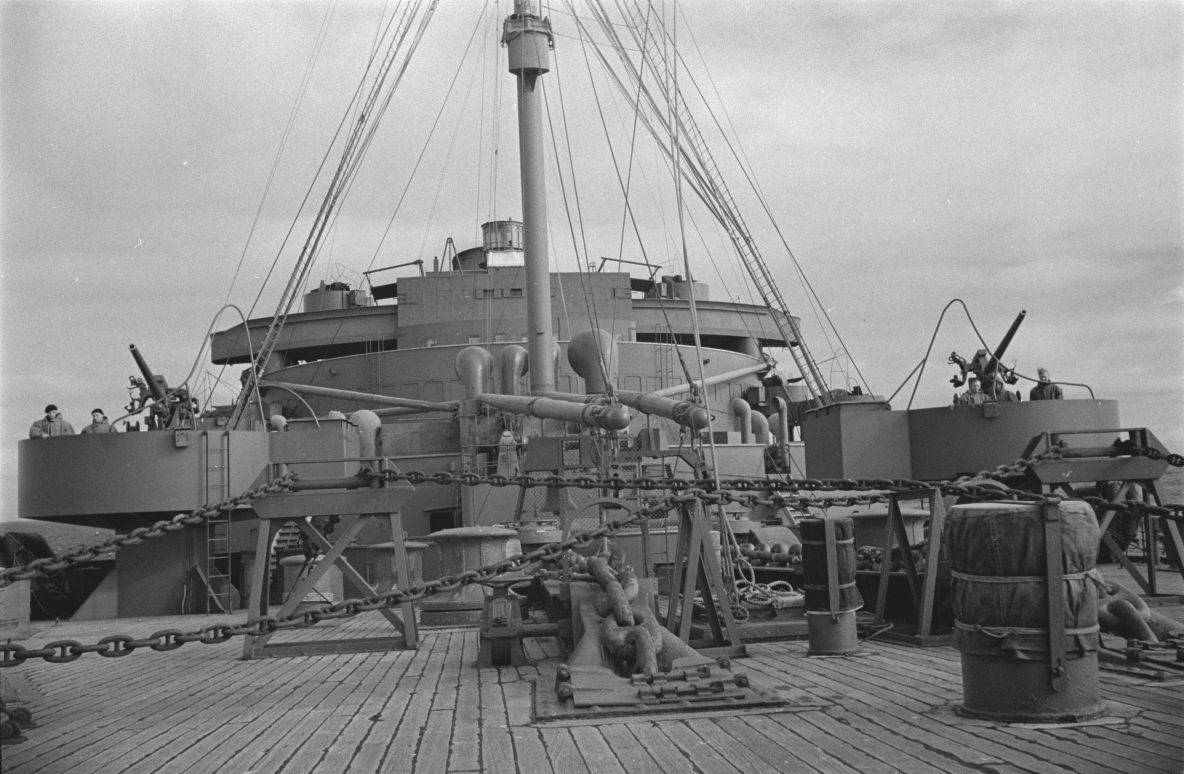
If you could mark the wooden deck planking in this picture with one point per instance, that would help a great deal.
(310, 754)
(204, 719)
(901, 714)
(367, 701)
(202, 709)
(1111, 753)
(88, 733)
(668, 757)
(699, 752)
(465, 754)
(803, 750)
(595, 750)
(1073, 745)
(916, 691)
(497, 748)
(291, 712)
(435, 746)
(392, 741)
(982, 738)
(797, 727)
(1167, 737)
(212, 733)
(748, 747)
(629, 751)
(529, 751)
(883, 756)
(432, 755)
(562, 751)
(285, 745)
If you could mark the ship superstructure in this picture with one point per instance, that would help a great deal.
(488, 342)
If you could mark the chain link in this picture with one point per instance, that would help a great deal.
(40, 568)
(1151, 453)
(744, 492)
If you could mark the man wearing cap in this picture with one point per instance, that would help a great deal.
(1045, 389)
(52, 424)
(98, 423)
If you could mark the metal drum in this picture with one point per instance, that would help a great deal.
(1001, 602)
(828, 580)
(502, 235)
(503, 243)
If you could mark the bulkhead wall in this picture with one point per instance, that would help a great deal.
(118, 479)
(949, 442)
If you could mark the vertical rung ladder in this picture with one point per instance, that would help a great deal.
(218, 554)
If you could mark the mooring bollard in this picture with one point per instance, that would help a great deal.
(1025, 614)
(828, 579)
(463, 549)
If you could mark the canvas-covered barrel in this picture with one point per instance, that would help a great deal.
(828, 580)
(1013, 668)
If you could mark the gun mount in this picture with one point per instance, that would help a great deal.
(987, 367)
(169, 408)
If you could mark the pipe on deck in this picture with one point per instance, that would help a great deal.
(362, 397)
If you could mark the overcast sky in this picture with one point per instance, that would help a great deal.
(1019, 156)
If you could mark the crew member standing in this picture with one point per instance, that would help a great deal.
(508, 462)
(974, 395)
(98, 423)
(1045, 389)
(51, 424)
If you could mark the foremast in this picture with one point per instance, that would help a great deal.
(528, 38)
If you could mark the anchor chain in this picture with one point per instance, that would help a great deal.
(1151, 453)
(39, 568)
(704, 489)
(687, 490)
(115, 646)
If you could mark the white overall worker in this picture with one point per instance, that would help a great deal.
(508, 463)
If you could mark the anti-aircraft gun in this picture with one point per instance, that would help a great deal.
(169, 408)
(987, 367)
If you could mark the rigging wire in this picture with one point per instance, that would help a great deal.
(624, 184)
(746, 168)
(301, 91)
(703, 176)
(590, 301)
(702, 392)
(422, 152)
(356, 144)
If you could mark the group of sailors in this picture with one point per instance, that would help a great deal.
(975, 395)
(53, 424)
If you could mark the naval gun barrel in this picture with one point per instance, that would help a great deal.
(1015, 326)
(154, 386)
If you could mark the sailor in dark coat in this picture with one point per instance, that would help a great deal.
(1045, 389)
(51, 424)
